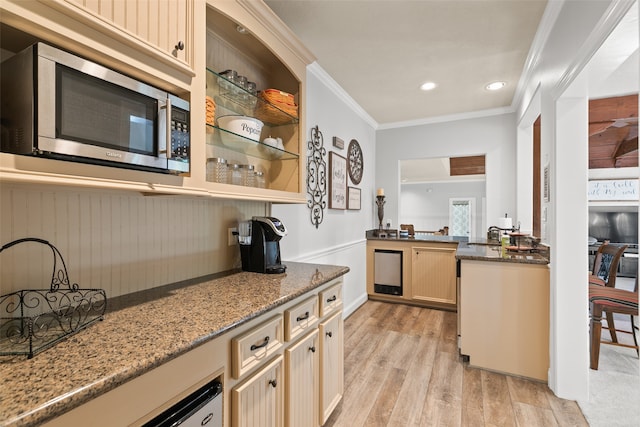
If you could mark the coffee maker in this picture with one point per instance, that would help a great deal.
(259, 241)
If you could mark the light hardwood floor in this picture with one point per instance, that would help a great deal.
(402, 369)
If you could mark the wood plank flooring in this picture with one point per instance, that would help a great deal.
(402, 369)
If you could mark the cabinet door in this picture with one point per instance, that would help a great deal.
(433, 274)
(331, 365)
(163, 26)
(301, 375)
(258, 402)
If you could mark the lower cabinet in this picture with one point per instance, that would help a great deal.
(331, 364)
(301, 377)
(511, 298)
(302, 385)
(428, 272)
(258, 401)
(282, 368)
(433, 274)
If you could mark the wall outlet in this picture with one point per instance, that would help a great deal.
(232, 238)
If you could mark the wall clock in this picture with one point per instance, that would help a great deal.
(355, 162)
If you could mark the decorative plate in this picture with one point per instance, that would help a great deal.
(355, 162)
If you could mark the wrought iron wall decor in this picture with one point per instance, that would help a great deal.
(316, 176)
(32, 320)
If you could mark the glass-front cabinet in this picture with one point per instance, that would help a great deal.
(244, 78)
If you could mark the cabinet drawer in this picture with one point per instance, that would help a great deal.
(301, 318)
(255, 346)
(331, 299)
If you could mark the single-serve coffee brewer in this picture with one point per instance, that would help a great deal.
(259, 241)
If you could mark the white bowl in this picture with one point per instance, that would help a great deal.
(248, 127)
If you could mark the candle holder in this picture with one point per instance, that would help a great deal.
(380, 202)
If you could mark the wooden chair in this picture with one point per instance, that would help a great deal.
(605, 272)
(611, 300)
(409, 228)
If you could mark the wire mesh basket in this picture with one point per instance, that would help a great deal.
(33, 320)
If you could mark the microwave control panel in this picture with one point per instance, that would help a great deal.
(180, 134)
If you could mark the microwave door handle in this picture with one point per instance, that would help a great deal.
(165, 139)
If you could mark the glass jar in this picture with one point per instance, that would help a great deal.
(235, 175)
(217, 170)
(248, 175)
(242, 96)
(230, 79)
(260, 181)
(252, 89)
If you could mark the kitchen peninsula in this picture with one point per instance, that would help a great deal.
(154, 346)
(501, 296)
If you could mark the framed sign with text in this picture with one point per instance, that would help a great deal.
(353, 201)
(337, 181)
(613, 189)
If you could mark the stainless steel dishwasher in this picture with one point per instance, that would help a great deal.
(201, 408)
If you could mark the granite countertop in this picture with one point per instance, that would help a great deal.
(140, 332)
(489, 252)
(478, 249)
(418, 237)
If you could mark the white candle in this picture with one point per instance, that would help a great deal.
(380, 192)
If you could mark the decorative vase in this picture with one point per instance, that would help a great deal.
(380, 202)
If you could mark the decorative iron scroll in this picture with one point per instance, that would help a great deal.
(32, 320)
(316, 176)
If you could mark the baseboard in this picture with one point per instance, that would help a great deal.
(351, 308)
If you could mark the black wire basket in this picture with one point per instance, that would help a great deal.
(33, 320)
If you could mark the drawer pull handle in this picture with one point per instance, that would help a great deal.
(332, 299)
(312, 349)
(305, 317)
(329, 334)
(264, 344)
(206, 419)
(273, 383)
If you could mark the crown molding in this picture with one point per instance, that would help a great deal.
(549, 18)
(330, 83)
(449, 118)
(614, 14)
(267, 17)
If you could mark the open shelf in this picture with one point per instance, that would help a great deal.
(232, 141)
(233, 99)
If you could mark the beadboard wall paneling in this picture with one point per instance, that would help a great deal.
(223, 56)
(117, 241)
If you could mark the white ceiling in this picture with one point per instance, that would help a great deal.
(380, 52)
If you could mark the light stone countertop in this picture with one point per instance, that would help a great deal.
(140, 332)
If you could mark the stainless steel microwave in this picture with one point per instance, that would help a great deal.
(56, 104)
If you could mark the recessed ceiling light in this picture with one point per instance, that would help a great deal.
(241, 29)
(428, 86)
(495, 85)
